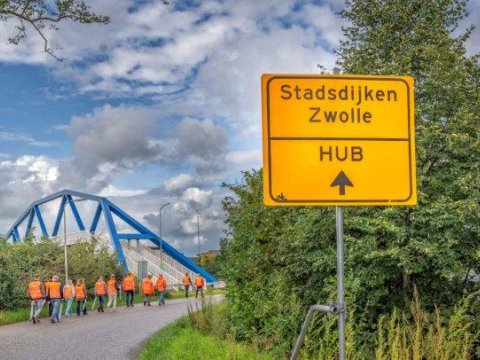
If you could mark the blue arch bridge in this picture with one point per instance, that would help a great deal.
(138, 250)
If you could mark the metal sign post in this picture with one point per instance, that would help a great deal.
(340, 283)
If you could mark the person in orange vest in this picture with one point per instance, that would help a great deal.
(55, 294)
(69, 295)
(36, 293)
(128, 286)
(112, 291)
(81, 297)
(47, 299)
(148, 289)
(161, 287)
(186, 282)
(100, 291)
(199, 284)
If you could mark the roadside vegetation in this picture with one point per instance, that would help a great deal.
(199, 336)
(411, 272)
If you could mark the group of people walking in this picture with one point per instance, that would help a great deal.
(54, 293)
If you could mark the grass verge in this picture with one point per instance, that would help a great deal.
(180, 340)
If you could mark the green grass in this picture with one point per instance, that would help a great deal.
(14, 316)
(181, 341)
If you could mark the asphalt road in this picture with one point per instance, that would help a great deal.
(118, 334)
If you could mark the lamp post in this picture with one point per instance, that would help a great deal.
(160, 224)
(160, 216)
(65, 234)
(198, 234)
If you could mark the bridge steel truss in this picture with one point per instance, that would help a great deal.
(106, 208)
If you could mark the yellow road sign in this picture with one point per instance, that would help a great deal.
(338, 140)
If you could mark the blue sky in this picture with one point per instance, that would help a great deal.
(161, 105)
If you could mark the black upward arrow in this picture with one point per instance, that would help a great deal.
(341, 181)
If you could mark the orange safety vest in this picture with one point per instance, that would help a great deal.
(112, 286)
(128, 284)
(80, 292)
(67, 292)
(186, 280)
(54, 290)
(161, 283)
(100, 288)
(47, 286)
(198, 281)
(35, 290)
(147, 286)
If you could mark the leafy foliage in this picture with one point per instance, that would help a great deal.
(278, 261)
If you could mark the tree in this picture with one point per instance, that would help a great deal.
(438, 238)
(42, 14)
(279, 261)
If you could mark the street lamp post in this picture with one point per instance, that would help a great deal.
(198, 234)
(160, 216)
(65, 234)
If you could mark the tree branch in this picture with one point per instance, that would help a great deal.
(38, 14)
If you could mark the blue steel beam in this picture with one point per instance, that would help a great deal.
(96, 218)
(22, 217)
(48, 199)
(40, 220)
(30, 222)
(135, 236)
(113, 233)
(75, 213)
(16, 235)
(61, 209)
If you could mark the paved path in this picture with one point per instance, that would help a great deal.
(117, 334)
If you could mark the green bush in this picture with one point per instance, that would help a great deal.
(10, 294)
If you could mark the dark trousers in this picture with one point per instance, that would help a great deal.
(199, 289)
(129, 297)
(186, 290)
(50, 307)
(101, 301)
(81, 307)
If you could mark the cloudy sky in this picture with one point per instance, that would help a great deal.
(161, 105)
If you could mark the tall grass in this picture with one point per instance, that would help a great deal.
(415, 334)
(421, 335)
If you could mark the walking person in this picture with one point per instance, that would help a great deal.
(161, 287)
(186, 283)
(199, 284)
(47, 299)
(148, 289)
(69, 296)
(36, 293)
(81, 297)
(55, 294)
(100, 291)
(128, 286)
(112, 290)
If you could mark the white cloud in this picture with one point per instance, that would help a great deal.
(178, 183)
(112, 190)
